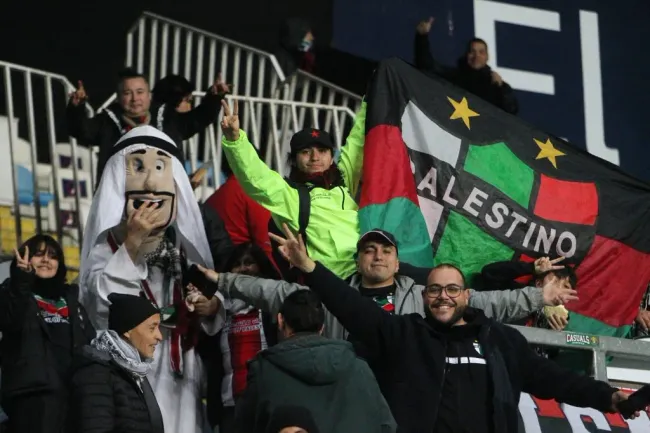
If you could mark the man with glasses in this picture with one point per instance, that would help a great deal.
(451, 369)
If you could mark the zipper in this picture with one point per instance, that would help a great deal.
(410, 293)
(343, 201)
(442, 382)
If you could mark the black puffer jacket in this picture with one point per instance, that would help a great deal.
(107, 399)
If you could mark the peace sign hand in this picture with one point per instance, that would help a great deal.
(23, 263)
(293, 250)
(230, 121)
(544, 264)
(79, 96)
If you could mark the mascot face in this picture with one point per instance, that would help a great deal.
(150, 177)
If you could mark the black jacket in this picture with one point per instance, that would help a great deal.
(412, 367)
(28, 363)
(479, 82)
(103, 130)
(503, 275)
(320, 374)
(107, 399)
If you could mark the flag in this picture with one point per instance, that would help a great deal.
(459, 181)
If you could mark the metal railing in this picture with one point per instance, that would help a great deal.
(601, 347)
(158, 46)
(41, 108)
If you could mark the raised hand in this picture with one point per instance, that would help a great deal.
(293, 250)
(220, 87)
(555, 293)
(496, 79)
(79, 96)
(23, 262)
(230, 121)
(424, 26)
(545, 264)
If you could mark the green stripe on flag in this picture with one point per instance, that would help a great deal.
(465, 245)
(581, 360)
(589, 325)
(498, 166)
(401, 217)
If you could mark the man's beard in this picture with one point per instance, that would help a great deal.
(459, 311)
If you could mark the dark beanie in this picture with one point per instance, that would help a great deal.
(127, 312)
(291, 416)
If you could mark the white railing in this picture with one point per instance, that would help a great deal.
(44, 95)
(158, 46)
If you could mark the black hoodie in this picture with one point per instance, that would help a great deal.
(413, 368)
(465, 383)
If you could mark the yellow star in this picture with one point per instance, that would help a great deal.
(547, 150)
(462, 111)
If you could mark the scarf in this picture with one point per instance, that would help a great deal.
(124, 355)
(132, 122)
(165, 257)
(328, 179)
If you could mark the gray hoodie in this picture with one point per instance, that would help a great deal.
(268, 295)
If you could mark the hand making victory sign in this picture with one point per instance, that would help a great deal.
(23, 263)
(79, 96)
(230, 121)
(293, 250)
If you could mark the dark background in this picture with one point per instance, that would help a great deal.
(87, 39)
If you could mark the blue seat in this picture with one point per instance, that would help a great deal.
(26, 188)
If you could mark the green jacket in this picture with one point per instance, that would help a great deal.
(333, 229)
(320, 374)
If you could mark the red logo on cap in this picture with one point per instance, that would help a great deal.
(315, 133)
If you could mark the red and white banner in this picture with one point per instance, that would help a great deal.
(548, 416)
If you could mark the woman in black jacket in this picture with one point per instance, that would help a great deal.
(42, 326)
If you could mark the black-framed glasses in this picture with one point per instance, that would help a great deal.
(435, 290)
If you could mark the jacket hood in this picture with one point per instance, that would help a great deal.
(312, 359)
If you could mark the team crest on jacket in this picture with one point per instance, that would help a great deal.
(477, 347)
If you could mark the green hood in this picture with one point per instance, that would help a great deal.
(312, 359)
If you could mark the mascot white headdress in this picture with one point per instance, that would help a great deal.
(110, 201)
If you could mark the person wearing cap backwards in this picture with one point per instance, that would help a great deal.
(377, 278)
(110, 390)
(333, 226)
(143, 233)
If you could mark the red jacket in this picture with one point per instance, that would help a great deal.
(245, 219)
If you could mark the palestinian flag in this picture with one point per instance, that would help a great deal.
(459, 181)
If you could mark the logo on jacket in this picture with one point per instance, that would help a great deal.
(477, 347)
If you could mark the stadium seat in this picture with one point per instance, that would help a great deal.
(26, 188)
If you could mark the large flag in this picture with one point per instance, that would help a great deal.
(459, 181)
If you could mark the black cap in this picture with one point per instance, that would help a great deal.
(377, 235)
(309, 138)
(127, 312)
(291, 416)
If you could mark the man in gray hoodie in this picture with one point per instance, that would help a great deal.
(378, 277)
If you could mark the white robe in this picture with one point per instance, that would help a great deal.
(179, 398)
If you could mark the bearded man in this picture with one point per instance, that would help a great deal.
(144, 231)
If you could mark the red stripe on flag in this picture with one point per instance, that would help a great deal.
(386, 167)
(565, 201)
(525, 279)
(611, 282)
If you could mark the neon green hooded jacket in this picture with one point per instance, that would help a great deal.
(333, 229)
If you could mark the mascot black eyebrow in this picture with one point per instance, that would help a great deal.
(143, 232)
